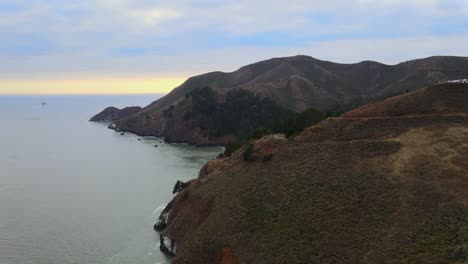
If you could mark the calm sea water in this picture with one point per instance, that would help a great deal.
(72, 191)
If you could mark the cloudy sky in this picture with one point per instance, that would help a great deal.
(151, 46)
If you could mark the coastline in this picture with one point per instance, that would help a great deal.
(159, 136)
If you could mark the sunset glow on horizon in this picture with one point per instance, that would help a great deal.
(141, 46)
(90, 86)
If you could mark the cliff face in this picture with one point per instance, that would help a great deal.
(386, 183)
(295, 84)
(113, 114)
(173, 125)
(204, 117)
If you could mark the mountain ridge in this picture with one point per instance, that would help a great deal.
(298, 83)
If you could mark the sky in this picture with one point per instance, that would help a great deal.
(152, 46)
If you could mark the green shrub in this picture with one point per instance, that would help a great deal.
(298, 123)
(204, 100)
(179, 186)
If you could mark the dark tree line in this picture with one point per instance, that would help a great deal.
(240, 113)
(246, 115)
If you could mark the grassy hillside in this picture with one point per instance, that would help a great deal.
(389, 188)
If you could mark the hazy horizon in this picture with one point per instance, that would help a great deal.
(78, 94)
(140, 46)
(121, 87)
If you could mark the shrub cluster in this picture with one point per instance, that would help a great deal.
(247, 155)
(290, 127)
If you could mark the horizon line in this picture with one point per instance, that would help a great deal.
(78, 94)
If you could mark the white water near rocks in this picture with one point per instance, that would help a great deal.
(72, 191)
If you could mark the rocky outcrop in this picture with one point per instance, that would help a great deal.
(386, 185)
(163, 217)
(167, 245)
(112, 114)
(197, 214)
(173, 126)
(179, 186)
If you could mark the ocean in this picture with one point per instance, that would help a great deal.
(73, 191)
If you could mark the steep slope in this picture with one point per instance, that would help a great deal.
(388, 187)
(296, 84)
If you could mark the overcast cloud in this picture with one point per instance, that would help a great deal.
(109, 38)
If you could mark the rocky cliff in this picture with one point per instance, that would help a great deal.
(385, 183)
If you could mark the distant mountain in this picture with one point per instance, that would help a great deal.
(113, 113)
(293, 83)
(385, 183)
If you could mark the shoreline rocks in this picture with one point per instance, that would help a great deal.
(163, 217)
(167, 245)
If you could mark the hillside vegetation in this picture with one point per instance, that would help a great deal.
(386, 183)
(240, 113)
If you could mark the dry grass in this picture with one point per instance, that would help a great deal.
(372, 190)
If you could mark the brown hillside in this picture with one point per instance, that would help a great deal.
(440, 99)
(297, 83)
(388, 189)
(301, 82)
